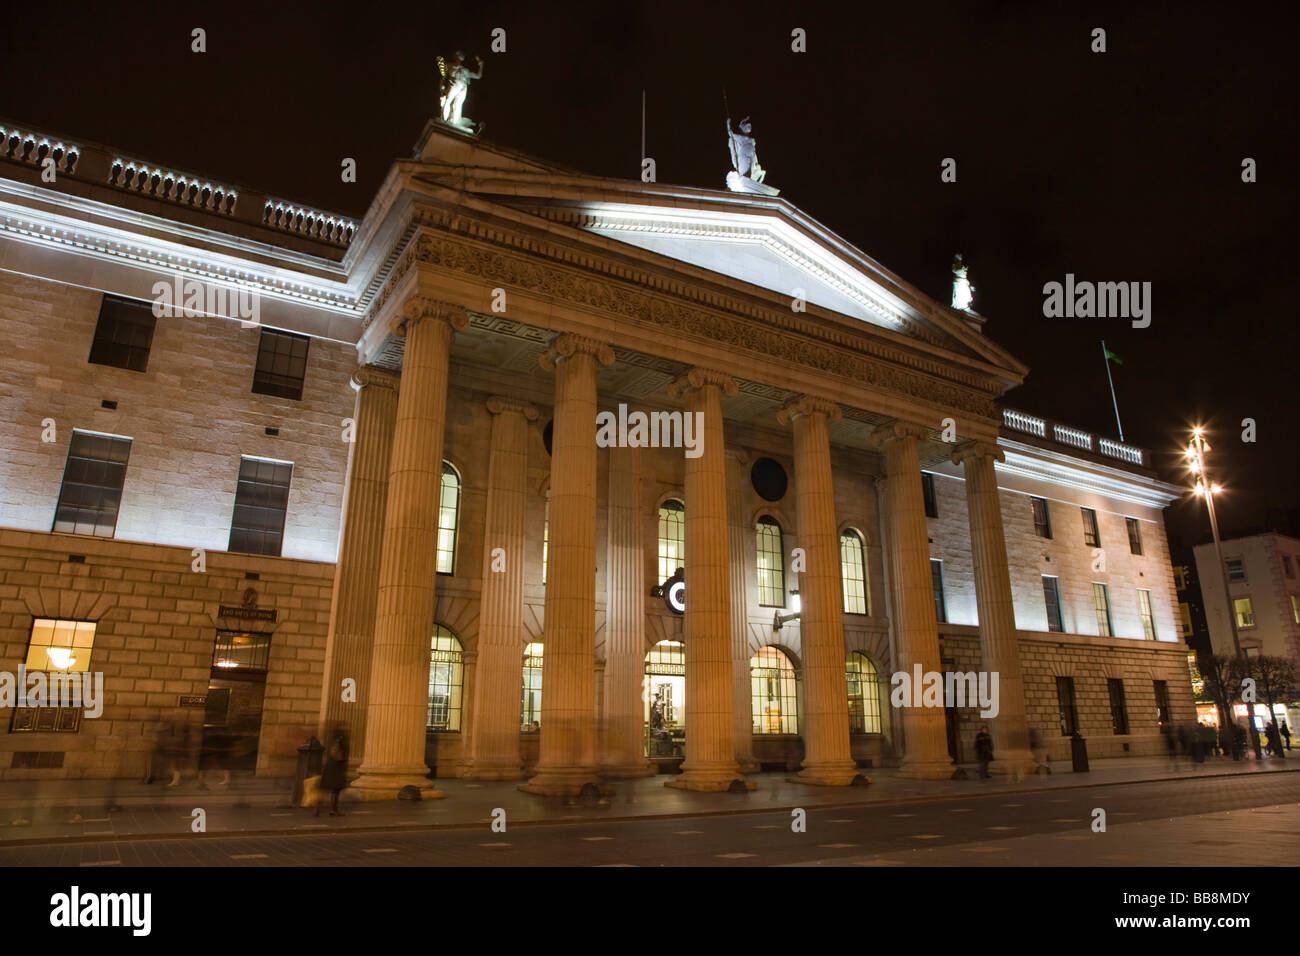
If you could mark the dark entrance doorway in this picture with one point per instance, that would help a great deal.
(232, 722)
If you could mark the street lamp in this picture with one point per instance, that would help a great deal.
(1207, 489)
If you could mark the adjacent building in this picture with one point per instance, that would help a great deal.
(535, 475)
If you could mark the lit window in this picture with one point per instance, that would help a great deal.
(1101, 601)
(1091, 536)
(92, 484)
(241, 652)
(1134, 535)
(1144, 612)
(771, 564)
(672, 538)
(281, 364)
(448, 519)
(58, 645)
(1052, 598)
(1042, 518)
(1245, 612)
(546, 534)
(1295, 608)
(774, 696)
(864, 695)
(1185, 610)
(261, 502)
(927, 490)
(853, 570)
(123, 334)
(530, 698)
(936, 582)
(446, 680)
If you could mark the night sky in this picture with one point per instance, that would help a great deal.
(1122, 166)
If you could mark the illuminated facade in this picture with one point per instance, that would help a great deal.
(362, 486)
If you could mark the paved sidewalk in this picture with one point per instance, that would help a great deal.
(49, 811)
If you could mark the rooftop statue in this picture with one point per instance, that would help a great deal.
(962, 291)
(455, 77)
(746, 175)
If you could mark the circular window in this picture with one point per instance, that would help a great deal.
(547, 434)
(769, 479)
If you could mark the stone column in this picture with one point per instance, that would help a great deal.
(710, 762)
(828, 760)
(567, 749)
(738, 535)
(397, 702)
(492, 747)
(999, 646)
(356, 577)
(924, 731)
(623, 746)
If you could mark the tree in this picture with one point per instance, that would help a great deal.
(1221, 685)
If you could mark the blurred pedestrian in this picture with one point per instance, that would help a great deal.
(334, 774)
(1286, 734)
(984, 751)
(1171, 745)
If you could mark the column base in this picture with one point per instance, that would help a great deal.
(747, 764)
(379, 785)
(715, 779)
(830, 775)
(927, 770)
(570, 782)
(641, 768)
(491, 769)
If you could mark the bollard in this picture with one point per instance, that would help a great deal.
(1079, 752)
(310, 756)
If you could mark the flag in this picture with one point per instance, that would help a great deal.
(1111, 356)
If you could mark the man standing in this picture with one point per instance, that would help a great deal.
(984, 751)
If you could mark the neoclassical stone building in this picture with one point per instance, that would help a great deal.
(354, 477)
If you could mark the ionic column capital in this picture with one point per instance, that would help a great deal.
(419, 308)
(802, 406)
(498, 405)
(896, 430)
(698, 378)
(976, 449)
(368, 375)
(568, 345)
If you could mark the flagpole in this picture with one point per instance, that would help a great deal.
(1106, 356)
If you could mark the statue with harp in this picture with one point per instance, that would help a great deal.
(455, 77)
(746, 174)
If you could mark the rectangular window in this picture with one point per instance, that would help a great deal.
(1144, 612)
(1042, 518)
(931, 503)
(1236, 569)
(1245, 612)
(241, 652)
(92, 484)
(1101, 600)
(936, 579)
(261, 501)
(853, 573)
(1118, 710)
(1162, 701)
(672, 539)
(1185, 610)
(1295, 608)
(57, 645)
(1091, 536)
(281, 364)
(1052, 598)
(1065, 704)
(123, 334)
(771, 564)
(1134, 535)
(1287, 567)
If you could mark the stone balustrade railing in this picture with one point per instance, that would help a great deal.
(1067, 435)
(95, 164)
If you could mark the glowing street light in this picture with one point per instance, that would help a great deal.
(1196, 464)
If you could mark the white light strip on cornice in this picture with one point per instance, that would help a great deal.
(775, 235)
(1042, 464)
(113, 243)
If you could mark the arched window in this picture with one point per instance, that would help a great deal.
(775, 695)
(446, 680)
(771, 564)
(853, 570)
(530, 696)
(546, 533)
(448, 519)
(672, 538)
(864, 694)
